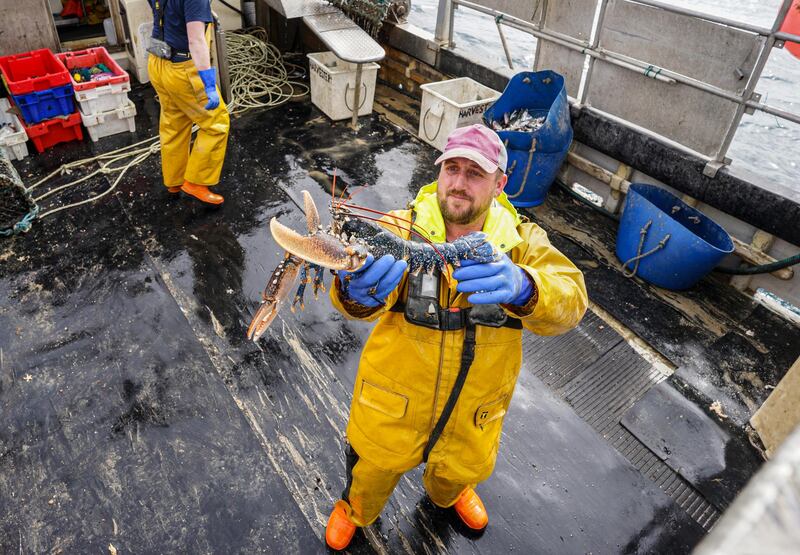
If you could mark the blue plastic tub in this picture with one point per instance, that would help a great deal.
(41, 105)
(665, 241)
(534, 158)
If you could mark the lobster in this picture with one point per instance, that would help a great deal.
(345, 245)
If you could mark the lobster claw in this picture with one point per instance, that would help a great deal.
(319, 248)
(277, 290)
(265, 314)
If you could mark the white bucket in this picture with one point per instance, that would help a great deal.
(111, 32)
(450, 104)
(137, 60)
(333, 84)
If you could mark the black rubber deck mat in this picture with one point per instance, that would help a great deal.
(691, 444)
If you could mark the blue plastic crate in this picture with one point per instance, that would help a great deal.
(50, 103)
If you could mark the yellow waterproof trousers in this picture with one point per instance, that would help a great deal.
(369, 487)
(182, 97)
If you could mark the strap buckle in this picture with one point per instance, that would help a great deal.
(454, 318)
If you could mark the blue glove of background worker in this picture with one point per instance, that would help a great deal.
(501, 282)
(379, 276)
(209, 77)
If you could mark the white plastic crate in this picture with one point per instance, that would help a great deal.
(450, 104)
(13, 144)
(103, 98)
(111, 122)
(333, 84)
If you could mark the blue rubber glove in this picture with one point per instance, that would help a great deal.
(501, 282)
(209, 77)
(373, 282)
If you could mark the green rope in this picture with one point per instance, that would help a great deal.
(24, 225)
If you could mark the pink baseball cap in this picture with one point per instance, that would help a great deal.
(477, 143)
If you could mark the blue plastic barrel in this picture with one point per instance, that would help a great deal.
(665, 241)
(534, 158)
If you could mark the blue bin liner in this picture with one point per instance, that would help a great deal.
(534, 158)
(674, 244)
(50, 103)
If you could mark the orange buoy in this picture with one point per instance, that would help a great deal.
(791, 24)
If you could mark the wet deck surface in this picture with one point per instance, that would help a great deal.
(133, 412)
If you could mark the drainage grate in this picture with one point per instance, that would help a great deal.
(594, 370)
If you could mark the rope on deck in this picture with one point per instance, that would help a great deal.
(259, 79)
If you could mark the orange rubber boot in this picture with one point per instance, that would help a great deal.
(174, 189)
(201, 192)
(340, 530)
(471, 510)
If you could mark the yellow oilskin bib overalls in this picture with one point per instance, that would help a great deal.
(182, 98)
(407, 371)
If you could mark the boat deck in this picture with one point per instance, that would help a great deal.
(133, 411)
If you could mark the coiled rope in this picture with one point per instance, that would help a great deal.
(258, 79)
(257, 72)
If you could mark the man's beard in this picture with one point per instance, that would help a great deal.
(464, 216)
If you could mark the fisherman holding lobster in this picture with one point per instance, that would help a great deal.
(439, 368)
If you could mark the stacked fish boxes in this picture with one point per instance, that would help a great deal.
(40, 88)
(101, 88)
(12, 133)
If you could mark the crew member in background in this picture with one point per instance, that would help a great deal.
(437, 372)
(181, 73)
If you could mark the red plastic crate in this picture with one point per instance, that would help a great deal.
(88, 58)
(33, 71)
(54, 131)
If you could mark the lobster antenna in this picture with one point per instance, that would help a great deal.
(373, 211)
(410, 228)
(333, 188)
(417, 234)
(351, 195)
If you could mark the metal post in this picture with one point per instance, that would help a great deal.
(503, 40)
(116, 18)
(763, 55)
(583, 90)
(452, 27)
(539, 25)
(356, 98)
(222, 63)
(443, 35)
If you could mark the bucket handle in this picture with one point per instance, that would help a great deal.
(527, 169)
(363, 96)
(639, 255)
(440, 115)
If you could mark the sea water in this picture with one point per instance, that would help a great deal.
(764, 144)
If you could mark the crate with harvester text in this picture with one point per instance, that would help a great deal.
(449, 104)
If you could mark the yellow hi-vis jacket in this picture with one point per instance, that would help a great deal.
(407, 371)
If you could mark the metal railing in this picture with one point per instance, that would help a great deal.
(746, 99)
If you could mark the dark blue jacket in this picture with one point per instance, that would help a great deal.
(177, 13)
